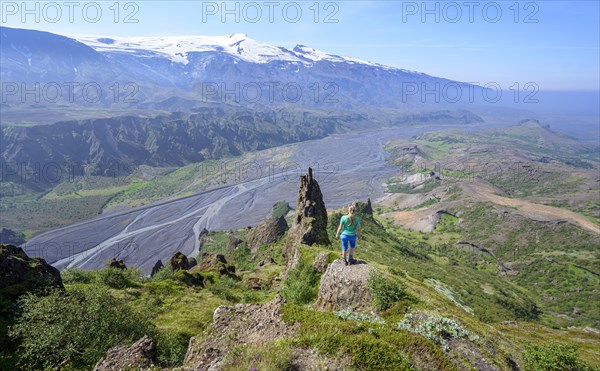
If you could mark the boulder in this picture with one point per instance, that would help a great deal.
(139, 356)
(344, 286)
(119, 264)
(309, 225)
(210, 260)
(194, 279)
(268, 231)
(192, 262)
(320, 263)
(234, 241)
(157, 267)
(179, 261)
(20, 274)
(250, 324)
(215, 262)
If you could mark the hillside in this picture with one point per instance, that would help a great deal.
(520, 203)
(252, 307)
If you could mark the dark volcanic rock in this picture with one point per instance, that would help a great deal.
(203, 237)
(191, 279)
(158, 266)
(120, 264)
(179, 261)
(141, 355)
(309, 226)
(368, 208)
(268, 231)
(20, 274)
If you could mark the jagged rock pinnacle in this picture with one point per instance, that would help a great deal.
(309, 226)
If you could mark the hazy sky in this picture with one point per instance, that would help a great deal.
(554, 44)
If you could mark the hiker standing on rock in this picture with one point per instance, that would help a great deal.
(350, 231)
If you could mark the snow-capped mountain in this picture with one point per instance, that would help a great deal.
(238, 45)
(180, 72)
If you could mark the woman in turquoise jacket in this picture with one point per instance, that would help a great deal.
(350, 232)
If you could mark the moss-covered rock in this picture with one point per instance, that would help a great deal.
(191, 279)
(268, 231)
(20, 274)
(179, 261)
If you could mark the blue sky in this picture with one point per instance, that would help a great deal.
(554, 44)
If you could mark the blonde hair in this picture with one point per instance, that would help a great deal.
(351, 211)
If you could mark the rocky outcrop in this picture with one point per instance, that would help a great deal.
(309, 225)
(203, 236)
(157, 267)
(119, 264)
(215, 262)
(20, 274)
(268, 231)
(234, 241)
(194, 279)
(179, 261)
(242, 324)
(345, 286)
(364, 208)
(139, 356)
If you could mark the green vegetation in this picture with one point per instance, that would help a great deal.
(553, 357)
(427, 186)
(281, 208)
(302, 284)
(385, 291)
(371, 346)
(275, 356)
(75, 327)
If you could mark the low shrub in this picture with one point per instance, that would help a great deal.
(74, 328)
(165, 273)
(120, 278)
(301, 286)
(77, 275)
(385, 292)
(553, 357)
(171, 348)
(225, 288)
